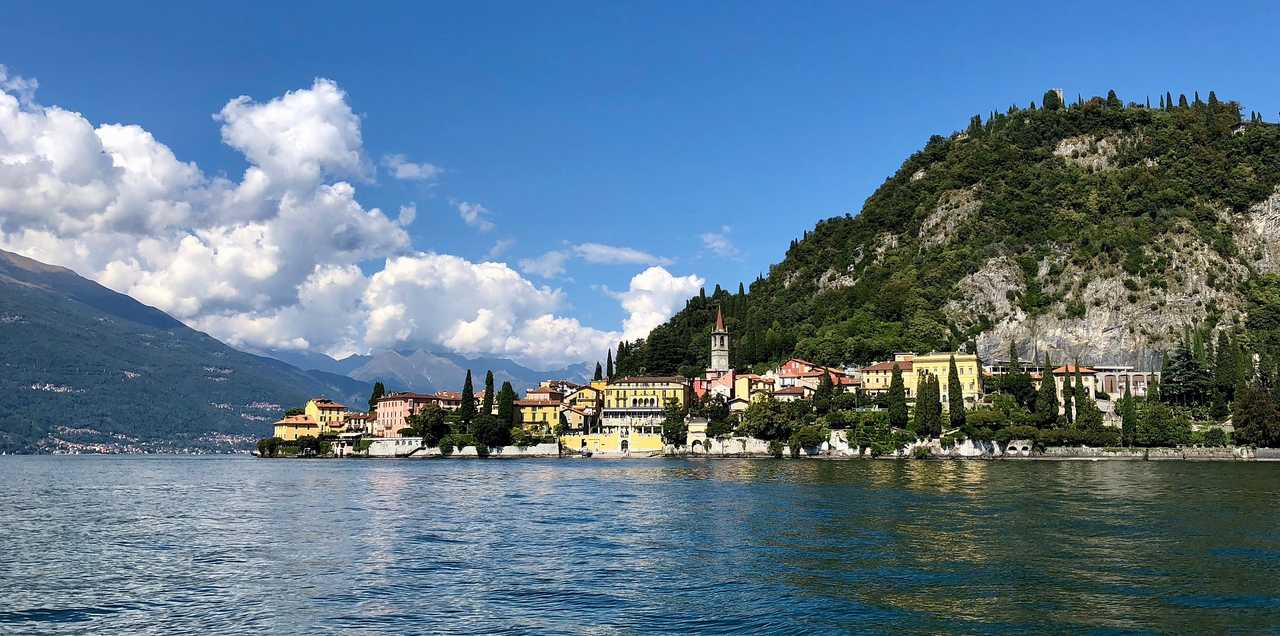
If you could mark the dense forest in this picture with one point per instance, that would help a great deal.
(1068, 193)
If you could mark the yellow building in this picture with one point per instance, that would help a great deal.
(587, 397)
(631, 418)
(331, 416)
(877, 377)
(538, 416)
(291, 427)
(751, 387)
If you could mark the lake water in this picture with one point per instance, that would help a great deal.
(235, 545)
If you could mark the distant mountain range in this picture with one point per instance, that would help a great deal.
(88, 369)
(427, 371)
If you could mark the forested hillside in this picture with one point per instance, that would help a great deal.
(1096, 230)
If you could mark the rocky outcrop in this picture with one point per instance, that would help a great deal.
(1092, 152)
(833, 279)
(1259, 237)
(1101, 319)
(954, 208)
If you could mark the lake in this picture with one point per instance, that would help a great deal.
(138, 544)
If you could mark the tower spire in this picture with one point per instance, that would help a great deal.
(719, 319)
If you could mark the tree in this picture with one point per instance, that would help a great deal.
(487, 407)
(675, 430)
(378, 391)
(1079, 394)
(766, 419)
(823, 396)
(1128, 418)
(1113, 101)
(928, 415)
(431, 424)
(1256, 416)
(467, 412)
(1016, 382)
(1186, 380)
(1225, 372)
(1051, 100)
(608, 368)
(897, 399)
(1047, 398)
(599, 375)
(1068, 398)
(955, 396)
(507, 405)
(490, 431)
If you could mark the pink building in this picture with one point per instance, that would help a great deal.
(394, 409)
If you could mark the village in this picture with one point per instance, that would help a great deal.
(632, 416)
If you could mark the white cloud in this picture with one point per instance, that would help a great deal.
(23, 88)
(475, 215)
(654, 296)
(548, 265)
(273, 260)
(405, 170)
(719, 243)
(500, 247)
(615, 255)
(407, 214)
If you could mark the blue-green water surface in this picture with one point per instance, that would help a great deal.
(236, 545)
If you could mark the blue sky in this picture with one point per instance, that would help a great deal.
(639, 125)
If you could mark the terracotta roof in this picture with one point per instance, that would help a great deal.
(1071, 368)
(888, 366)
(448, 395)
(326, 403)
(404, 395)
(791, 390)
(848, 379)
(674, 379)
(296, 420)
(359, 416)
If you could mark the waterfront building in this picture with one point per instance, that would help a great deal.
(877, 377)
(793, 393)
(538, 416)
(448, 400)
(1113, 380)
(359, 423)
(331, 416)
(750, 387)
(393, 410)
(291, 427)
(631, 416)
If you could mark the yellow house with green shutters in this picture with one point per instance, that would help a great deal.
(538, 416)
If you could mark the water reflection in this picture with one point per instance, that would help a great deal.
(115, 545)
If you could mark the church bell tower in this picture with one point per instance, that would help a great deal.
(719, 345)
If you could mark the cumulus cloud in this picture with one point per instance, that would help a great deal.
(475, 215)
(273, 260)
(654, 296)
(549, 265)
(405, 170)
(719, 244)
(615, 255)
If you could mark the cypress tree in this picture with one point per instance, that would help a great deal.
(1128, 417)
(1113, 101)
(1051, 100)
(1182, 101)
(507, 404)
(1068, 398)
(920, 418)
(608, 367)
(467, 411)
(897, 399)
(1168, 100)
(1162, 102)
(378, 391)
(955, 397)
(599, 372)
(1047, 398)
(487, 408)
(1081, 396)
(741, 291)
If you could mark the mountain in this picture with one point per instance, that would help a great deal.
(88, 368)
(1096, 230)
(426, 371)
